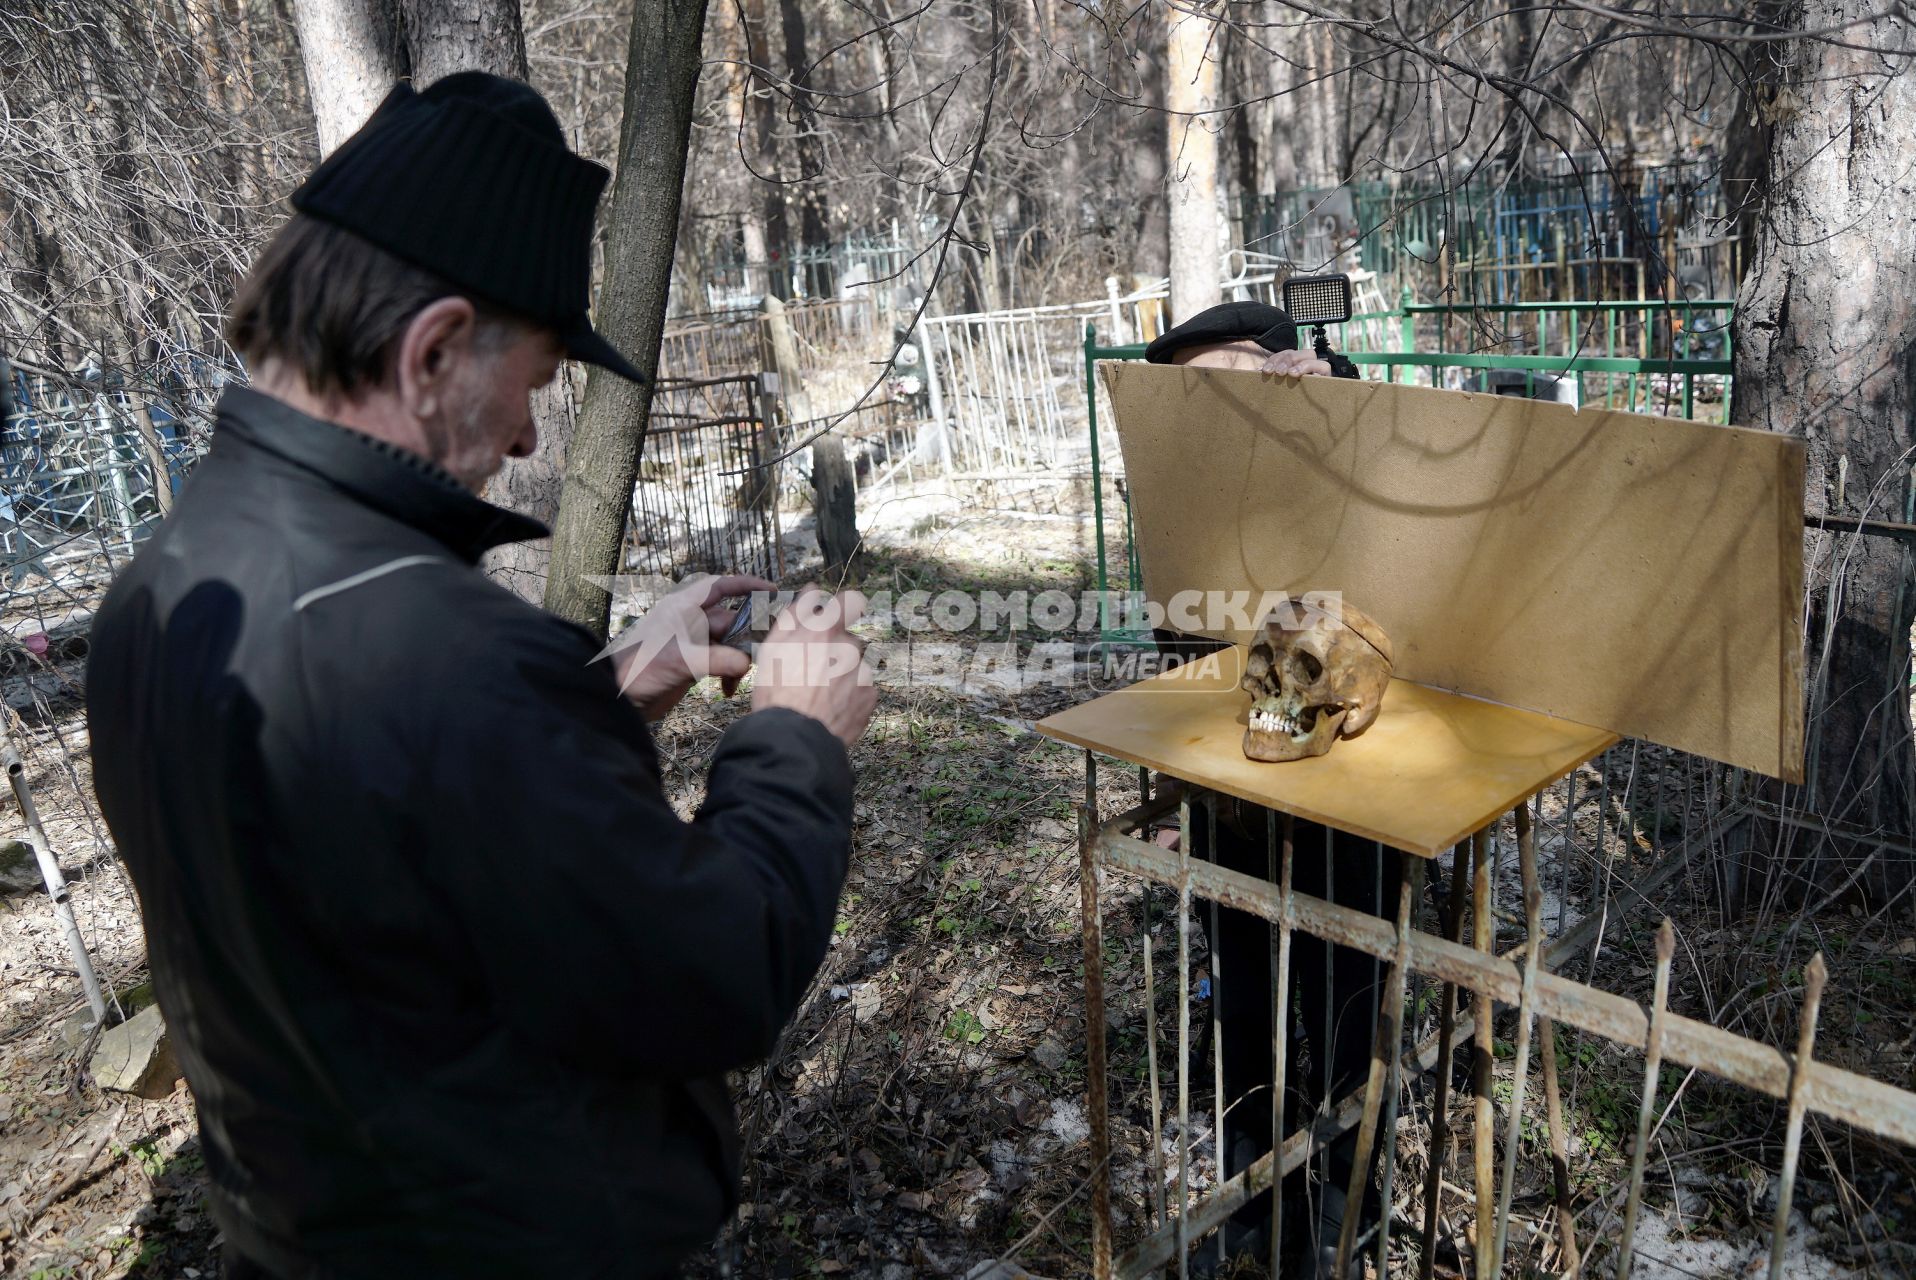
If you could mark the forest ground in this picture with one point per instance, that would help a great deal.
(924, 1112)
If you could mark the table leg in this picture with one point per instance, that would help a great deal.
(1446, 1055)
(1484, 1145)
(1097, 1104)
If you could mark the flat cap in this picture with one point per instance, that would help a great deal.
(1270, 327)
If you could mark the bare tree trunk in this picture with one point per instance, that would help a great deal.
(1068, 156)
(1263, 140)
(740, 122)
(1238, 59)
(353, 50)
(1191, 85)
(814, 231)
(465, 35)
(202, 28)
(1274, 128)
(662, 69)
(1746, 145)
(1151, 240)
(838, 541)
(1826, 349)
(1520, 51)
(759, 275)
(46, 261)
(241, 95)
(1319, 89)
(1262, 78)
(763, 147)
(835, 509)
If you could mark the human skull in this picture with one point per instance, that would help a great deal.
(1315, 675)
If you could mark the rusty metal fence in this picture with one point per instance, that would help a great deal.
(725, 465)
(1152, 1178)
(722, 471)
(706, 497)
(826, 333)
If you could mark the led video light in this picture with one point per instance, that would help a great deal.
(1318, 299)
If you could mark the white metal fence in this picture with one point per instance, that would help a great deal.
(1007, 388)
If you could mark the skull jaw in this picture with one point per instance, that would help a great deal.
(1275, 746)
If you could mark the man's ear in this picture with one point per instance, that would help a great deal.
(434, 343)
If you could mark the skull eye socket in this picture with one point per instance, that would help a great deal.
(1311, 666)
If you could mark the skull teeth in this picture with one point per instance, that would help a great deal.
(1274, 722)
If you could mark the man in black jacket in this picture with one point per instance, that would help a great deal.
(453, 984)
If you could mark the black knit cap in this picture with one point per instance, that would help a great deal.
(1270, 327)
(472, 180)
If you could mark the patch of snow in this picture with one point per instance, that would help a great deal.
(1662, 1253)
(1066, 1122)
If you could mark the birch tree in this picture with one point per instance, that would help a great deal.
(352, 50)
(1191, 152)
(355, 50)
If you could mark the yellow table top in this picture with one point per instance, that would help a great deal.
(1434, 767)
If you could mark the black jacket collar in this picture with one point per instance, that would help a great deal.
(401, 484)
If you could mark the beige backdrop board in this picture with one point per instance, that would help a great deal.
(1636, 573)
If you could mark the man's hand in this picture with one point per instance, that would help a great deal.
(811, 663)
(662, 654)
(1294, 363)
